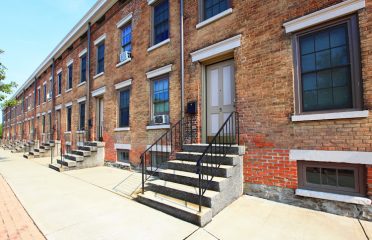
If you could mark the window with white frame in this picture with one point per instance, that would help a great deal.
(210, 8)
(160, 97)
(124, 100)
(82, 116)
(45, 92)
(83, 68)
(59, 83)
(100, 58)
(123, 156)
(68, 118)
(126, 38)
(160, 19)
(69, 76)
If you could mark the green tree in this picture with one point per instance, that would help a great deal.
(6, 88)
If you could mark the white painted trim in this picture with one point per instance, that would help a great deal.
(44, 83)
(214, 18)
(159, 71)
(49, 111)
(82, 99)
(84, 51)
(123, 62)
(81, 84)
(158, 45)
(124, 20)
(122, 129)
(68, 90)
(154, 127)
(150, 2)
(70, 62)
(37, 114)
(333, 197)
(328, 116)
(100, 39)
(58, 95)
(123, 84)
(122, 146)
(68, 104)
(59, 71)
(216, 49)
(38, 87)
(324, 15)
(331, 156)
(58, 107)
(50, 78)
(99, 91)
(44, 113)
(98, 75)
(160, 148)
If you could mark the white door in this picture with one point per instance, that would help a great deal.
(220, 95)
(99, 119)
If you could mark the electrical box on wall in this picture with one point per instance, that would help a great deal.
(191, 107)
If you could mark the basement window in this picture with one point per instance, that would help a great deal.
(123, 156)
(338, 178)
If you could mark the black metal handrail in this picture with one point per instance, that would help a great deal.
(210, 160)
(163, 149)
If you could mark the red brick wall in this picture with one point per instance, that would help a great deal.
(369, 180)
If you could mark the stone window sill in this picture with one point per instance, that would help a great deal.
(333, 197)
(214, 18)
(330, 116)
(81, 84)
(158, 45)
(98, 75)
(122, 129)
(154, 127)
(68, 90)
(123, 62)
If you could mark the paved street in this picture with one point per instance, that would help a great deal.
(96, 204)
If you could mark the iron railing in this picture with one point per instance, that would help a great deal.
(210, 160)
(163, 149)
(68, 142)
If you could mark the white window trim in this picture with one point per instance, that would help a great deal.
(98, 75)
(83, 52)
(214, 18)
(58, 107)
(216, 49)
(122, 129)
(69, 62)
(352, 157)
(150, 2)
(158, 45)
(51, 78)
(124, 20)
(160, 126)
(81, 84)
(68, 90)
(49, 111)
(82, 99)
(99, 91)
(59, 71)
(333, 197)
(159, 71)
(160, 148)
(43, 114)
(100, 39)
(123, 62)
(329, 116)
(69, 104)
(324, 15)
(123, 84)
(122, 146)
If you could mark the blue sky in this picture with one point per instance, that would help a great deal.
(30, 29)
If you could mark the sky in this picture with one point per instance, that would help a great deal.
(31, 29)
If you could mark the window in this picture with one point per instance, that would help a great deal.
(69, 76)
(124, 98)
(211, 8)
(161, 21)
(126, 38)
(43, 124)
(160, 96)
(69, 115)
(100, 58)
(50, 89)
(82, 116)
(83, 68)
(45, 92)
(123, 156)
(328, 67)
(59, 88)
(38, 97)
(332, 177)
(157, 158)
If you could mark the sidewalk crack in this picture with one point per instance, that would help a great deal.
(364, 231)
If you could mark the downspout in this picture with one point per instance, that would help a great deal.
(182, 57)
(51, 128)
(87, 110)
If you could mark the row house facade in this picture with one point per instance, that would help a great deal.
(298, 73)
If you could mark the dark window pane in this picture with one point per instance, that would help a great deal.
(309, 81)
(342, 97)
(346, 178)
(339, 56)
(324, 79)
(313, 175)
(307, 45)
(124, 108)
(308, 62)
(329, 176)
(338, 36)
(214, 7)
(323, 59)
(161, 22)
(341, 77)
(325, 98)
(310, 100)
(322, 41)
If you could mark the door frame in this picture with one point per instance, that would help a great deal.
(204, 90)
(98, 119)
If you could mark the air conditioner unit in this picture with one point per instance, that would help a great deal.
(124, 56)
(161, 119)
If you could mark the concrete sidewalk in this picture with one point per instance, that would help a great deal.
(81, 205)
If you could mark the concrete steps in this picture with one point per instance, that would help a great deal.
(176, 189)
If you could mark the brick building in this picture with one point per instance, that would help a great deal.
(298, 73)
